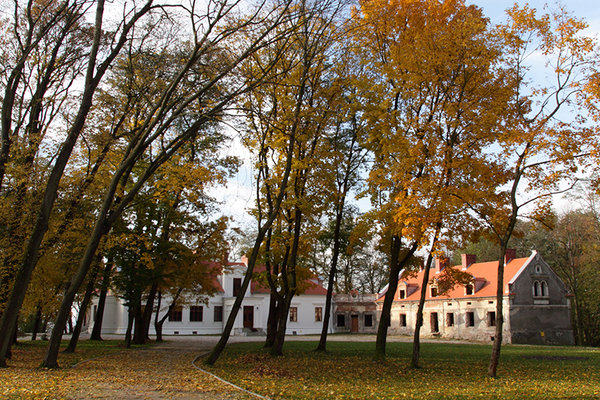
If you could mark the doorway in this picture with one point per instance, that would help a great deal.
(354, 326)
(249, 317)
(434, 322)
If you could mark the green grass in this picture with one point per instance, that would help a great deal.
(449, 371)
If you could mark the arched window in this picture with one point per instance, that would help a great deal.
(536, 289)
(544, 289)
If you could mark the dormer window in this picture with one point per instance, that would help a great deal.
(402, 294)
(434, 292)
(469, 289)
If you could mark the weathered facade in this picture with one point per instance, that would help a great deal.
(354, 313)
(536, 307)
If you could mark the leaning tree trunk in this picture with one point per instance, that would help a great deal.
(97, 330)
(94, 73)
(89, 291)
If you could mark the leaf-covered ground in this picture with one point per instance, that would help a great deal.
(449, 371)
(111, 372)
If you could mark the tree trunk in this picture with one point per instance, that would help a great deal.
(277, 349)
(93, 75)
(97, 330)
(129, 327)
(419, 323)
(220, 346)
(147, 315)
(495, 358)
(385, 320)
(274, 308)
(37, 322)
(157, 325)
(139, 332)
(89, 291)
(322, 346)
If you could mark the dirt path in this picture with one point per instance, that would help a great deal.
(164, 371)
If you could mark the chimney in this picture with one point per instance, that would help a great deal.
(441, 263)
(245, 260)
(510, 254)
(467, 260)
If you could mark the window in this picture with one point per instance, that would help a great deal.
(469, 289)
(402, 294)
(491, 318)
(175, 314)
(237, 285)
(450, 319)
(218, 314)
(318, 314)
(293, 314)
(434, 292)
(433, 322)
(341, 321)
(368, 320)
(196, 314)
(402, 319)
(538, 269)
(544, 289)
(470, 318)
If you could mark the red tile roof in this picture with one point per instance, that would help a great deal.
(314, 285)
(485, 275)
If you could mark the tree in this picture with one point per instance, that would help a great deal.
(432, 86)
(95, 68)
(537, 148)
(283, 135)
(199, 87)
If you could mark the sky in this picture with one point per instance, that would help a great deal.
(238, 196)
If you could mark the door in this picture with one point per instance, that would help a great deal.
(249, 317)
(354, 326)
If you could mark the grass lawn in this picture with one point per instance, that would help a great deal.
(449, 371)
